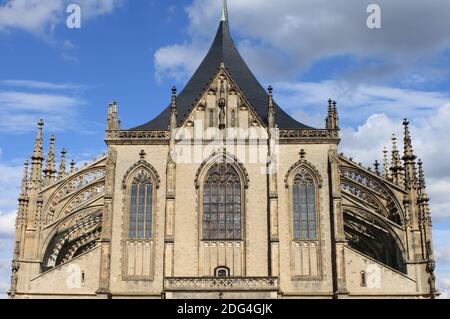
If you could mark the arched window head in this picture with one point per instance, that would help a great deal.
(141, 206)
(363, 279)
(222, 203)
(222, 272)
(304, 206)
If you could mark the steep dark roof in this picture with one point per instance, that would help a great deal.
(223, 50)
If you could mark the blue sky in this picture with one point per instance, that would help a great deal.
(308, 50)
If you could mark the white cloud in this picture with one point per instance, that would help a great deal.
(41, 85)
(34, 16)
(9, 186)
(443, 284)
(13, 100)
(6, 249)
(294, 34)
(7, 223)
(442, 255)
(177, 61)
(42, 16)
(357, 102)
(20, 111)
(429, 138)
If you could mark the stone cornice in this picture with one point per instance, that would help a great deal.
(286, 136)
(137, 137)
(222, 283)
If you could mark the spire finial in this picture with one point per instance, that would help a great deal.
(224, 11)
(396, 166)
(385, 163)
(37, 152)
(62, 165)
(25, 180)
(50, 169)
(173, 110)
(421, 175)
(408, 153)
(72, 167)
(271, 109)
(377, 167)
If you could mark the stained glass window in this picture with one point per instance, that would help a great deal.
(141, 207)
(222, 204)
(304, 210)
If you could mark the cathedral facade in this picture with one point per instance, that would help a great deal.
(223, 195)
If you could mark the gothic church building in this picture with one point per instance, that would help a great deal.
(223, 195)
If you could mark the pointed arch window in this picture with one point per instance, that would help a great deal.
(304, 206)
(141, 207)
(222, 204)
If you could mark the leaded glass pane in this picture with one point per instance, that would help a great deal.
(222, 201)
(141, 207)
(304, 210)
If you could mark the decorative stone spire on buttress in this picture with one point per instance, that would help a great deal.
(37, 158)
(173, 110)
(23, 198)
(386, 172)
(423, 199)
(72, 167)
(271, 109)
(396, 165)
(62, 172)
(376, 165)
(332, 120)
(113, 118)
(24, 186)
(50, 169)
(409, 159)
